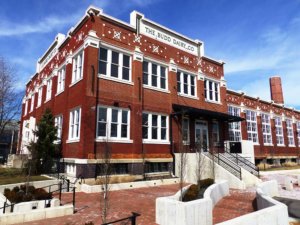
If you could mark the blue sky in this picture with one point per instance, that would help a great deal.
(257, 39)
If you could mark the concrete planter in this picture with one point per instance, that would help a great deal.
(169, 210)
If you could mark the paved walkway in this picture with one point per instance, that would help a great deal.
(140, 200)
(238, 203)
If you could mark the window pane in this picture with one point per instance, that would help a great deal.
(192, 90)
(154, 132)
(124, 131)
(163, 83)
(102, 114)
(162, 72)
(145, 132)
(124, 116)
(126, 60)
(114, 70)
(145, 119)
(154, 120)
(103, 54)
(114, 130)
(145, 78)
(115, 57)
(163, 133)
(125, 73)
(178, 82)
(102, 129)
(154, 69)
(163, 121)
(154, 81)
(114, 115)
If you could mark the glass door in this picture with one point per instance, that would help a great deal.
(201, 135)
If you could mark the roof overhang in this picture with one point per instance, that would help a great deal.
(187, 110)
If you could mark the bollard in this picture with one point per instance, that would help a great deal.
(298, 180)
(288, 184)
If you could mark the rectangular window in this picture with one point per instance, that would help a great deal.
(298, 132)
(290, 132)
(251, 126)
(113, 123)
(61, 80)
(40, 95)
(77, 67)
(157, 167)
(49, 89)
(279, 131)
(32, 103)
(114, 64)
(155, 127)
(215, 132)
(266, 128)
(58, 124)
(234, 127)
(186, 84)
(212, 91)
(186, 131)
(154, 75)
(26, 107)
(74, 125)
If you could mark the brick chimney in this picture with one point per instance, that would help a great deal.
(276, 90)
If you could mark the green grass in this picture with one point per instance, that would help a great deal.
(13, 175)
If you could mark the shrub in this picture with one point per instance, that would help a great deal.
(16, 189)
(206, 182)
(263, 166)
(289, 164)
(40, 194)
(191, 194)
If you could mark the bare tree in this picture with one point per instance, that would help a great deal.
(10, 102)
(199, 171)
(105, 179)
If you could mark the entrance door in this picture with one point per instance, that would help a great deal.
(201, 135)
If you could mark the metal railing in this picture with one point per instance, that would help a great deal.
(221, 160)
(131, 219)
(241, 161)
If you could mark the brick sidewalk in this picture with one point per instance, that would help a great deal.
(238, 203)
(140, 200)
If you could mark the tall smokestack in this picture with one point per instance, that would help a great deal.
(276, 90)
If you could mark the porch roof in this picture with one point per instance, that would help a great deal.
(187, 110)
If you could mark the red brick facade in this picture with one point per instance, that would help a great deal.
(98, 29)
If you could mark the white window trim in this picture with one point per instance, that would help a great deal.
(32, 102)
(60, 88)
(49, 96)
(187, 142)
(282, 134)
(26, 108)
(118, 139)
(252, 132)
(149, 140)
(233, 113)
(181, 93)
(206, 88)
(287, 132)
(56, 120)
(149, 85)
(266, 124)
(40, 97)
(74, 139)
(121, 52)
(74, 78)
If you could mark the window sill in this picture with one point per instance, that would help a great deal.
(38, 106)
(72, 141)
(115, 79)
(255, 143)
(267, 144)
(75, 82)
(58, 93)
(280, 145)
(156, 89)
(291, 146)
(47, 100)
(114, 140)
(57, 142)
(157, 142)
(188, 96)
(214, 102)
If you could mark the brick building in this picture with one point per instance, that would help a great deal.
(141, 90)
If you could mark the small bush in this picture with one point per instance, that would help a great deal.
(40, 194)
(16, 189)
(289, 164)
(263, 166)
(206, 182)
(191, 194)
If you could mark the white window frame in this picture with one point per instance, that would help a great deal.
(49, 89)
(150, 75)
(77, 69)
(119, 123)
(61, 76)
(298, 132)
(215, 90)
(235, 133)
(159, 140)
(279, 131)
(290, 132)
(26, 108)
(266, 129)
(187, 141)
(58, 122)
(252, 131)
(215, 124)
(40, 96)
(189, 85)
(120, 65)
(74, 124)
(32, 102)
